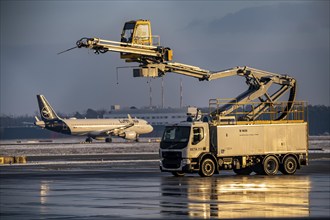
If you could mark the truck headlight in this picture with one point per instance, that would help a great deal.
(185, 161)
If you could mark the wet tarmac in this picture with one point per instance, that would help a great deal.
(72, 180)
(138, 190)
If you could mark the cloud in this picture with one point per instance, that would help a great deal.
(281, 18)
(290, 37)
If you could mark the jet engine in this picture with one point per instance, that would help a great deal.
(130, 135)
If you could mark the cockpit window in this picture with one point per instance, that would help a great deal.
(176, 134)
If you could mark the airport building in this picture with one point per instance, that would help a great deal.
(157, 116)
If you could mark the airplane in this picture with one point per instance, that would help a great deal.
(98, 129)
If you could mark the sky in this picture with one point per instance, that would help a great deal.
(286, 37)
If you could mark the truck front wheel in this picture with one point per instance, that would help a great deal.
(270, 165)
(289, 165)
(207, 168)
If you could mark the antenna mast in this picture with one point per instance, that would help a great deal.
(150, 94)
(181, 98)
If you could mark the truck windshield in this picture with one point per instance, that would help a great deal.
(176, 134)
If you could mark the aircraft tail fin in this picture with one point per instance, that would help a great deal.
(46, 111)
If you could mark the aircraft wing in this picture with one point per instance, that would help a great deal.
(120, 129)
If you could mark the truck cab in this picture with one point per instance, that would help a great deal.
(182, 145)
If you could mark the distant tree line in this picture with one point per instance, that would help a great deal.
(318, 117)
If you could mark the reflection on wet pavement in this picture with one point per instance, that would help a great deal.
(237, 197)
(147, 193)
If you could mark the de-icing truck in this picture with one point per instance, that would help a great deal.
(225, 143)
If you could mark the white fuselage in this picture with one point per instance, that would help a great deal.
(105, 127)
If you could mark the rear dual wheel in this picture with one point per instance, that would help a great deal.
(289, 165)
(269, 166)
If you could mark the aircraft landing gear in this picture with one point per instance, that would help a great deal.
(89, 140)
(108, 140)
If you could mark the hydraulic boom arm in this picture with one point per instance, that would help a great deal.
(136, 46)
(138, 52)
(259, 82)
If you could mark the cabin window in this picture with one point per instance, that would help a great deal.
(128, 32)
(198, 135)
(142, 32)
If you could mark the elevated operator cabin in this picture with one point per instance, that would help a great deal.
(137, 32)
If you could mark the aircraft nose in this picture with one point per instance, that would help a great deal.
(150, 128)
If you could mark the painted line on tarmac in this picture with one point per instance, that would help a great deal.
(80, 162)
(91, 154)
